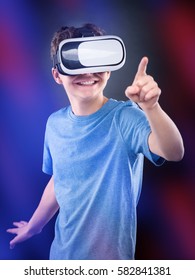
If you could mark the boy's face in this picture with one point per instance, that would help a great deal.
(84, 86)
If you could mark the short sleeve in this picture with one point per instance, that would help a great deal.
(135, 130)
(47, 166)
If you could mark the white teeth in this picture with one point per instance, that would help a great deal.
(87, 83)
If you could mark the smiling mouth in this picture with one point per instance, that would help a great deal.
(86, 83)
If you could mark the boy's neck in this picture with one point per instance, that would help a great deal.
(88, 107)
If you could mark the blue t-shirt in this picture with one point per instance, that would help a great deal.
(97, 164)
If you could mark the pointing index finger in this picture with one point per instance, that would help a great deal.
(141, 71)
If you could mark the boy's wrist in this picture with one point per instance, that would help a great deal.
(151, 109)
(33, 229)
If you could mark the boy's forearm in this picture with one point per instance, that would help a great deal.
(46, 209)
(165, 139)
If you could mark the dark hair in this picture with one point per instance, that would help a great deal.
(87, 29)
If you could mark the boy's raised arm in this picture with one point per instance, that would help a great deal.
(165, 139)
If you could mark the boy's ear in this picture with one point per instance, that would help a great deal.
(109, 74)
(56, 76)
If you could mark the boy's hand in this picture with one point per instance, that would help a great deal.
(22, 233)
(144, 90)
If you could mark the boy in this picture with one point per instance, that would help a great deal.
(94, 150)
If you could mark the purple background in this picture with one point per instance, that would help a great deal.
(165, 32)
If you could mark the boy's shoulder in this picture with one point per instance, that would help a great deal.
(128, 107)
(127, 104)
(121, 105)
(128, 112)
(59, 114)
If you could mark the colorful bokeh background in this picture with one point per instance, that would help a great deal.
(164, 30)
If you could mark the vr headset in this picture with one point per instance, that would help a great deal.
(89, 55)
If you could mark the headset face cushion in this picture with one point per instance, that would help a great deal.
(90, 55)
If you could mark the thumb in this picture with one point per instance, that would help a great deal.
(132, 93)
(131, 90)
(13, 243)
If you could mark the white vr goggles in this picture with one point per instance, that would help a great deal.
(90, 55)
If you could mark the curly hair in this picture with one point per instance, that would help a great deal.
(73, 32)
